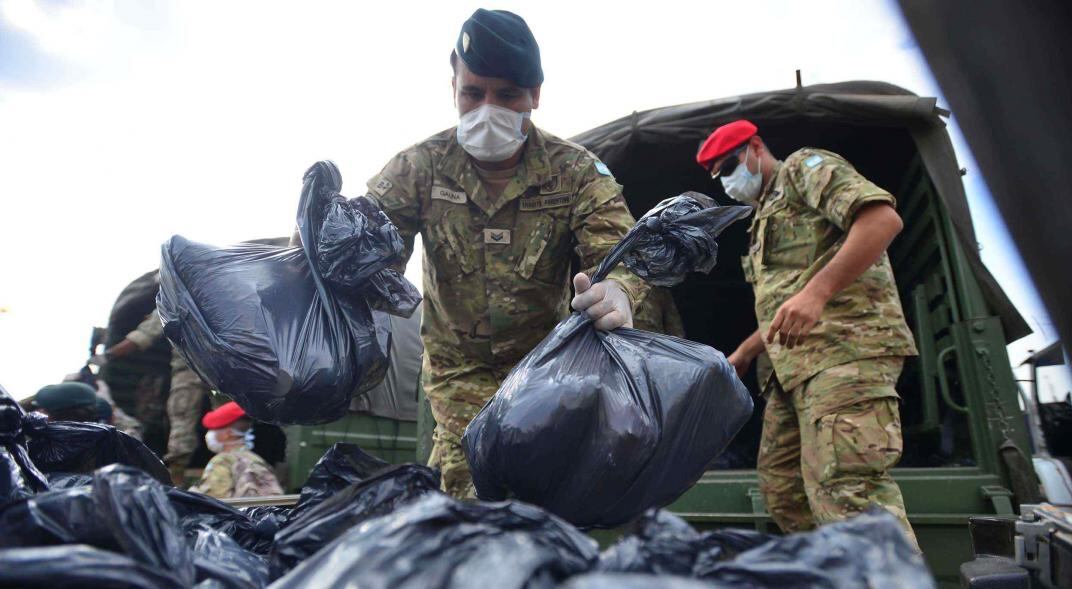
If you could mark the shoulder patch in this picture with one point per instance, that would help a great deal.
(381, 186)
(813, 161)
(603, 169)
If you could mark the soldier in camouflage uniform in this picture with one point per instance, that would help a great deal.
(658, 313)
(235, 471)
(184, 401)
(831, 321)
(501, 207)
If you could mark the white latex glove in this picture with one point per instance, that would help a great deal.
(605, 302)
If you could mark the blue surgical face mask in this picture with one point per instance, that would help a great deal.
(743, 185)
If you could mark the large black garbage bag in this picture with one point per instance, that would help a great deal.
(267, 327)
(19, 477)
(599, 426)
(78, 567)
(197, 511)
(438, 542)
(124, 510)
(219, 558)
(664, 544)
(379, 495)
(67, 480)
(632, 581)
(341, 466)
(867, 551)
(79, 447)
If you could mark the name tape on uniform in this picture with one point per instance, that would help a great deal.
(454, 196)
(546, 201)
(497, 236)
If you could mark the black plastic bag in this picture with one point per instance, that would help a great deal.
(67, 480)
(19, 477)
(438, 542)
(661, 543)
(341, 466)
(379, 495)
(219, 558)
(632, 581)
(78, 567)
(599, 426)
(124, 510)
(867, 551)
(80, 447)
(264, 326)
(197, 511)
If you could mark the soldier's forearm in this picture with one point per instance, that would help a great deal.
(752, 346)
(872, 231)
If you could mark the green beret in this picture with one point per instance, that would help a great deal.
(56, 397)
(498, 44)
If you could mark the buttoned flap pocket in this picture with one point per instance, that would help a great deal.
(787, 238)
(451, 245)
(535, 231)
(863, 440)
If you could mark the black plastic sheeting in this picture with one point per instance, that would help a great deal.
(253, 531)
(869, 550)
(291, 333)
(341, 466)
(219, 558)
(632, 581)
(599, 426)
(19, 477)
(79, 447)
(438, 542)
(124, 510)
(379, 495)
(78, 567)
(664, 544)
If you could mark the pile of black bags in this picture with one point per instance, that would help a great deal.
(362, 522)
(599, 426)
(291, 333)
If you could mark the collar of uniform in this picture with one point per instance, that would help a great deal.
(770, 183)
(457, 166)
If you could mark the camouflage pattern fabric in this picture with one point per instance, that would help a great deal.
(658, 313)
(449, 458)
(802, 218)
(496, 270)
(828, 446)
(184, 412)
(237, 473)
(184, 401)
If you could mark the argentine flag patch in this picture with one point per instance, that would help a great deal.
(602, 169)
(813, 161)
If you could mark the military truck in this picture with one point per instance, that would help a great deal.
(966, 448)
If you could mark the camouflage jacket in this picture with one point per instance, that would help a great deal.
(658, 313)
(237, 473)
(150, 331)
(801, 222)
(496, 271)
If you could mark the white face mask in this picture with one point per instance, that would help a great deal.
(742, 185)
(215, 445)
(212, 440)
(491, 133)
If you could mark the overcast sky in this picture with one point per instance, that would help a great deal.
(124, 122)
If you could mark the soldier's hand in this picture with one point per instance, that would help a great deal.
(740, 362)
(605, 302)
(796, 318)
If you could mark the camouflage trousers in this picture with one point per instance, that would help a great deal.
(184, 404)
(828, 446)
(456, 396)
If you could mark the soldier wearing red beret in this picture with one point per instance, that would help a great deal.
(831, 321)
(235, 471)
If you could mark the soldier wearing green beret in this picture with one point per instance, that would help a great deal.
(831, 321)
(501, 207)
(68, 401)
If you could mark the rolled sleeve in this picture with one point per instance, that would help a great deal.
(148, 332)
(834, 188)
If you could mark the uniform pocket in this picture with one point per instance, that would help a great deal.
(537, 260)
(860, 441)
(451, 251)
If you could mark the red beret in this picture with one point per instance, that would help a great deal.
(222, 417)
(724, 140)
